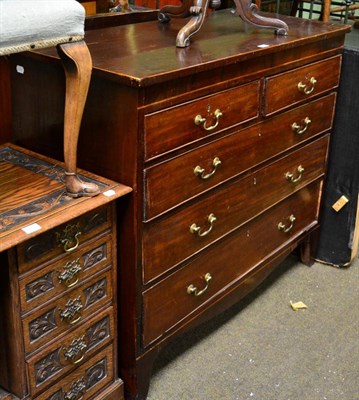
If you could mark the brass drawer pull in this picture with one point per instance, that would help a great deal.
(290, 177)
(307, 88)
(194, 229)
(191, 289)
(284, 228)
(75, 353)
(200, 172)
(77, 391)
(69, 239)
(298, 129)
(70, 274)
(73, 308)
(198, 120)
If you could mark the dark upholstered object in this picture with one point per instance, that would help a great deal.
(337, 228)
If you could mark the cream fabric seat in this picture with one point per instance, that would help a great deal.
(33, 24)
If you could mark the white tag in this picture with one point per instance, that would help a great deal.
(31, 228)
(20, 69)
(263, 46)
(109, 193)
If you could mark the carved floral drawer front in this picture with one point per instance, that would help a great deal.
(169, 241)
(205, 167)
(66, 313)
(63, 240)
(222, 265)
(56, 279)
(301, 84)
(66, 354)
(175, 127)
(86, 380)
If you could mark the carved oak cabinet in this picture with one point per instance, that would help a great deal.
(58, 284)
(225, 145)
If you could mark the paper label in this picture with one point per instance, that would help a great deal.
(31, 228)
(339, 204)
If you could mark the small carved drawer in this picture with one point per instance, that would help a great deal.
(223, 265)
(84, 382)
(169, 241)
(56, 279)
(205, 167)
(175, 127)
(64, 355)
(64, 239)
(53, 319)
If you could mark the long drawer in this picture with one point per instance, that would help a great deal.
(171, 300)
(58, 278)
(237, 153)
(175, 127)
(86, 381)
(64, 239)
(301, 84)
(61, 357)
(168, 241)
(67, 312)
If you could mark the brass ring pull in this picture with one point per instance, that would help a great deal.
(290, 177)
(194, 229)
(191, 289)
(298, 129)
(67, 245)
(200, 172)
(75, 353)
(198, 120)
(69, 238)
(74, 321)
(305, 88)
(285, 228)
(69, 277)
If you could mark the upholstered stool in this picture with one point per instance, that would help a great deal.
(33, 24)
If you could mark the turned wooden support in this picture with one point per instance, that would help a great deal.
(77, 63)
(197, 9)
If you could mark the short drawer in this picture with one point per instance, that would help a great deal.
(56, 279)
(64, 239)
(173, 182)
(63, 356)
(175, 127)
(301, 84)
(224, 264)
(168, 241)
(86, 380)
(66, 313)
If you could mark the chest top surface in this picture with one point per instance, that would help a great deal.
(145, 53)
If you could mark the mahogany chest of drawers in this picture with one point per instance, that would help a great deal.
(225, 145)
(58, 284)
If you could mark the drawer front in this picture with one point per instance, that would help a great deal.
(67, 312)
(168, 241)
(56, 279)
(85, 381)
(174, 298)
(301, 84)
(64, 239)
(175, 127)
(173, 182)
(72, 351)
